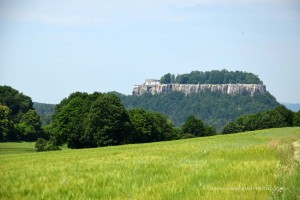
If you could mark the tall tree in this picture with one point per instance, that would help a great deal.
(166, 79)
(286, 114)
(150, 127)
(296, 119)
(68, 124)
(193, 126)
(18, 103)
(108, 122)
(6, 123)
(29, 127)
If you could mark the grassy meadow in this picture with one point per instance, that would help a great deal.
(251, 165)
(16, 147)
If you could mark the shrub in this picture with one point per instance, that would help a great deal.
(44, 145)
(41, 144)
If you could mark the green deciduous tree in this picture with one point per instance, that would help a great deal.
(108, 122)
(286, 114)
(17, 102)
(6, 123)
(296, 118)
(232, 127)
(68, 124)
(151, 127)
(194, 126)
(29, 127)
(166, 79)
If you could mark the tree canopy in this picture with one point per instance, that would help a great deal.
(150, 126)
(212, 77)
(18, 103)
(196, 128)
(108, 122)
(275, 118)
(19, 121)
(214, 108)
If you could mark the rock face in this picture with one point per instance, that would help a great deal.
(231, 89)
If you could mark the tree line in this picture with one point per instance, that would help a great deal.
(95, 120)
(89, 120)
(275, 118)
(85, 120)
(212, 77)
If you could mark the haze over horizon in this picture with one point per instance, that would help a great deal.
(49, 49)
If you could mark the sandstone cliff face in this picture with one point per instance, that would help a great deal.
(231, 89)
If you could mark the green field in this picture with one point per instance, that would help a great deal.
(251, 165)
(16, 147)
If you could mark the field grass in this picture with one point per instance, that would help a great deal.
(16, 147)
(252, 165)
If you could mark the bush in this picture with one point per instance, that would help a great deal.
(52, 147)
(41, 144)
(44, 145)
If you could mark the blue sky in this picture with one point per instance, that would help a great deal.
(51, 48)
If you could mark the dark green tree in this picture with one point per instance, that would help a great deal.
(210, 131)
(286, 114)
(151, 127)
(108, 122)
(166, 79)
(232, 127)
(18, 103)
(29, 127)
(68, 124)
(296, 119)
(6, 124)
(193, 126)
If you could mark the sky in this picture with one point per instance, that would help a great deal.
(51, 48)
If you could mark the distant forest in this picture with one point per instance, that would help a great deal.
(212, 77)
(45, 111)
(214, 108)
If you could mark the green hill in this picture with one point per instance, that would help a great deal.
(214, 108)
(250, 165)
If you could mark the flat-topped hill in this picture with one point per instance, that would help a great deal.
(231, 89)
(226, 82)
(216, 97)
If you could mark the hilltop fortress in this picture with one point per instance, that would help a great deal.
(153, 86)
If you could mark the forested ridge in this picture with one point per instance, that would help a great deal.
(214, 108)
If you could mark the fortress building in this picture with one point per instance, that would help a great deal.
(153, 86)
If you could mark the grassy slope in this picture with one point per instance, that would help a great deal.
(16, 147)
(217, 167)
